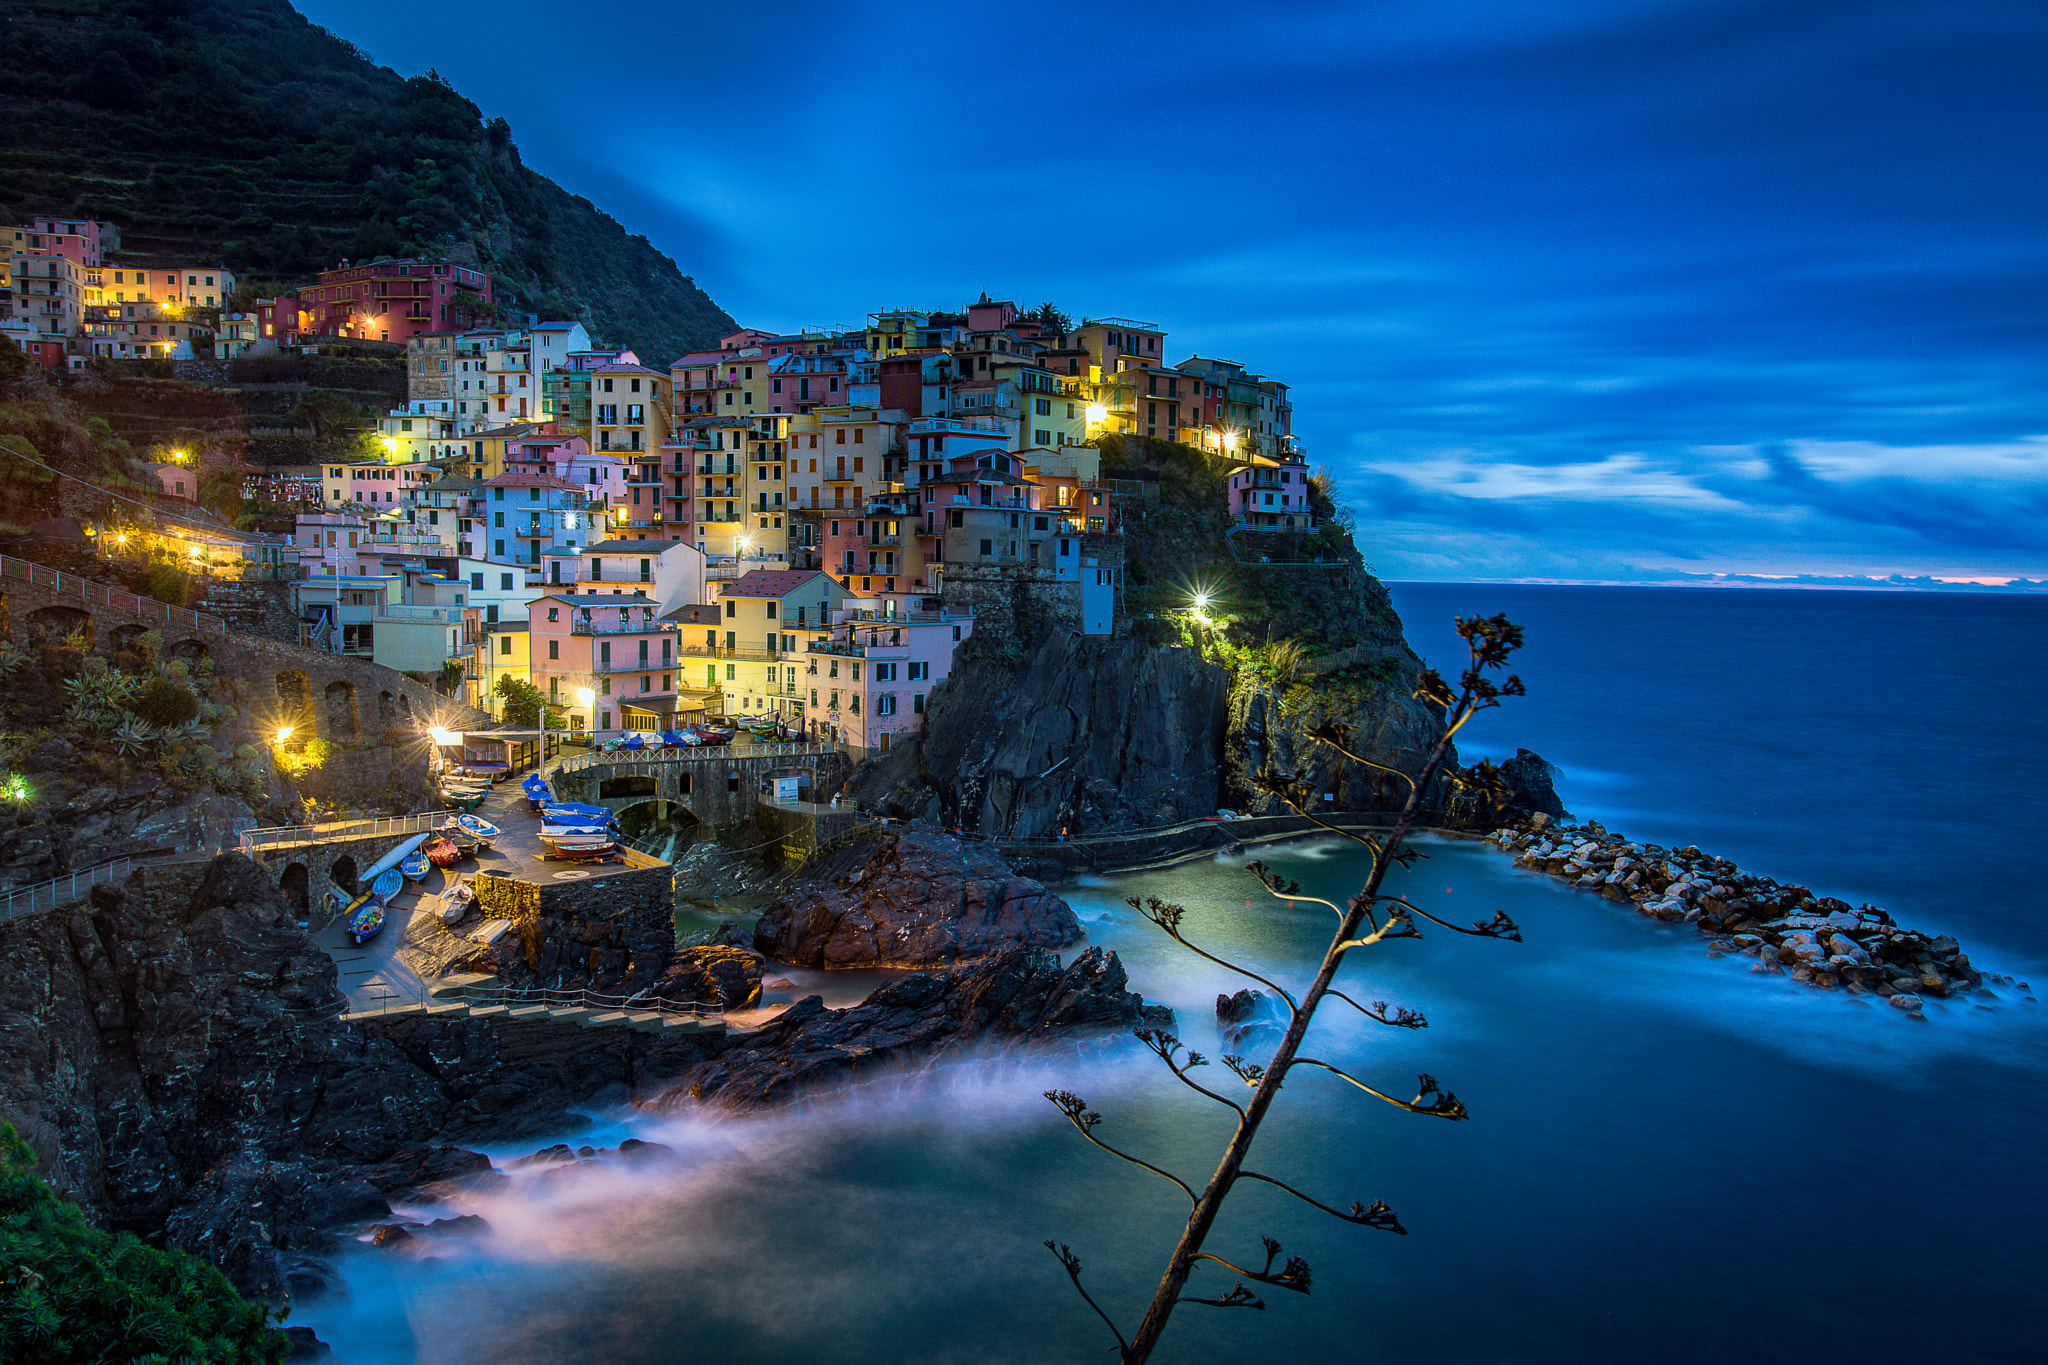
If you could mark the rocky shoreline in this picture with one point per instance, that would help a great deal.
(1819, 941)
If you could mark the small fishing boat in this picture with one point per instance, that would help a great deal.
(591, 853)
(414, 867)
(387, 884)
(462, 801)
(483, 830)
(455, 901)
(441, 851)
(365, 923)
(552, 833)
(577, 810)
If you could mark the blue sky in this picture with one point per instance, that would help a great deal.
(1603, 289)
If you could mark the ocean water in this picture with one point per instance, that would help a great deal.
(1669, 1158)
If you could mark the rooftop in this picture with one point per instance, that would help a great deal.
(770, 582)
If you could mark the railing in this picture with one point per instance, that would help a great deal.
(648, 627)
(450, 615)
(112, 598)
(749, 652)
(628, 666)
(626, 762)
(579, 997)
(57, 891)
(288, 836)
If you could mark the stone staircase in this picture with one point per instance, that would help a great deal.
(563, 1022)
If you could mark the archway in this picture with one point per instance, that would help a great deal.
(387, 708)
(126, 639)
(405, 706)
(612, 788)
(295, 702)
(659, 828)
(343, 722)
(52, 626)
(343, 875)
(295, 883)
(190, 651)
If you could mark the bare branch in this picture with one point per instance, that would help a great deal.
(1072, 1264)
(1445, 1105)
(1083, 1118)
(1500, 926)
(1164, 1045)
(1295, 1275)
(1377, 1216)
(1238, 1297)
(1167, 916)
(1401, 1017)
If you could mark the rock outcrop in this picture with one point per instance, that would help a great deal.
(1818, 940)
(910, 898)
(171, 1050)
(1092, 735)
(1021, 995)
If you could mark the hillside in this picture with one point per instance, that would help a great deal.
(239, 128)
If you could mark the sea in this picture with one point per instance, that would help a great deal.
(1669, 1158)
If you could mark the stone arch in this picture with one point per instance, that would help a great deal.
(343, 875)
(343, 720)
(191, 651)
(54, 625)
(405, 706)
(122, 639)
(641, 818)
(615, 788)
(295, 701)
(387, 708)
(296, 884)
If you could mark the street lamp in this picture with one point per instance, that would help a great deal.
(1096, 412)
(586, 697)
(284, 732)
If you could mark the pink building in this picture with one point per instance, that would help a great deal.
(615, 647)
(389, 301)
(868, 683)
(77, 240)
(1270, 493)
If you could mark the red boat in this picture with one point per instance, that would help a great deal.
(441, 852)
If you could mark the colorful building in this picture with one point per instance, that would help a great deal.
(609, 659)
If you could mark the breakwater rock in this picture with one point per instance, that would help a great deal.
(910, 898)
(1020, 996)
(1818, 940)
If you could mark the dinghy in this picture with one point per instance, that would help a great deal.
(387, 884)
(365, 923)
(481, 829)
(414, 866)
(441, 851)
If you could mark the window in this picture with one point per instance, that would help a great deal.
(554, 613)
(988, 547)
(731, 608)
(917, 703)
(885, 705)
(771, 610)
(731, 672)
(504, 644)
(476, 582)
(554, 649)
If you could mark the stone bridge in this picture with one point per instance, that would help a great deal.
(330, 695)
(720, 787)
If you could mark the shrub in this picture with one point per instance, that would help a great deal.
(163, 701)
(73, 1292)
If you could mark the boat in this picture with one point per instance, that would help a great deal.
(414, 867)
(482, 829)
(365, 923)
(463, 801)
(441, 851)
(387, 884)
(582, 853)
(551, 833)
(633, 741)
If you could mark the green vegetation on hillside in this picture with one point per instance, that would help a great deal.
(237, 128)
(1308, 589)
(72, 1292)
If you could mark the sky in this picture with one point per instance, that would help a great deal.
(1599, 290)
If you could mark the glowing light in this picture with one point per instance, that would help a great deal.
(443, 735)
(17, 790)
(584, 696)
(1096, 412)
(284, 732)
(1201, 601)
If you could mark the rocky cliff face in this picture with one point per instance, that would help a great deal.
(169, 1049)
(910, 898)
(1019, 995)
(1092, 735)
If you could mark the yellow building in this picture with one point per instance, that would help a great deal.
(507, 650)
(629, 407)
(766, 620)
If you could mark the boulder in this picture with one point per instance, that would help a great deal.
(712, 974)
(911, 897)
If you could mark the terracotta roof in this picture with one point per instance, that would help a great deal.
(694, 614)
(771, 582)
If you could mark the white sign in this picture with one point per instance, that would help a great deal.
(785, 789)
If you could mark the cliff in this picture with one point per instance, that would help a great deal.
(1177, 715)
(237, 129)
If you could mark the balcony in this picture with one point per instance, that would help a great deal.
(610, 666)
(648, 627)
(754, 653)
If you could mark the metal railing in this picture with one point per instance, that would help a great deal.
(26, 900)
(624, 761)
(114, 599)
(579, 997)
(648, 626)
(288, 836)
